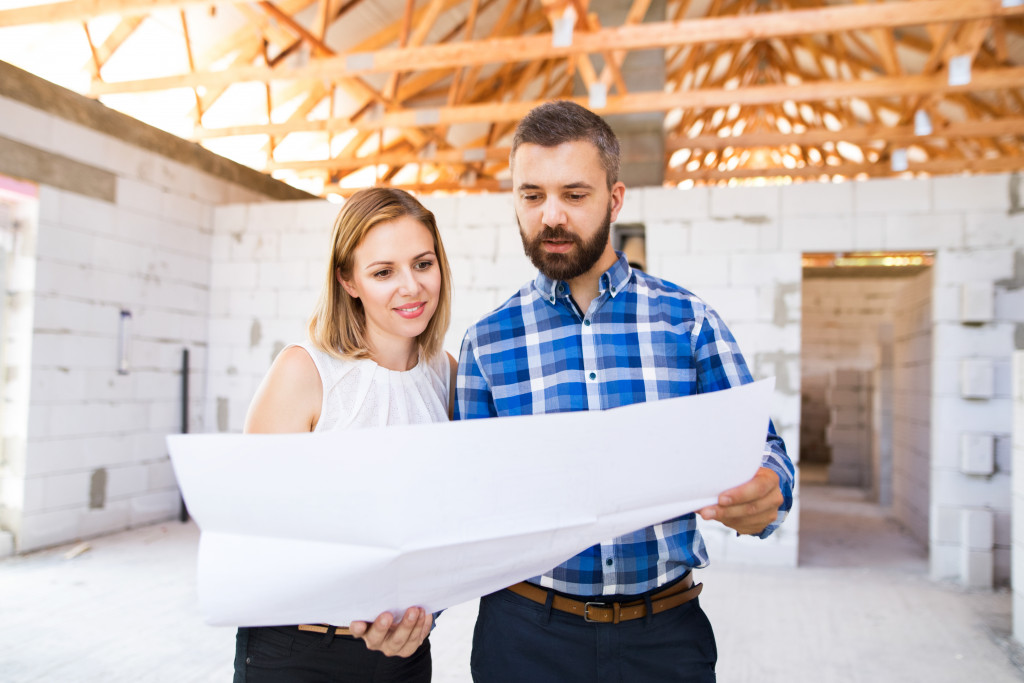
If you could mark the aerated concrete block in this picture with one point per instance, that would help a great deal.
(977, 378)
(977, 453)
(977, 302)
(977, 529)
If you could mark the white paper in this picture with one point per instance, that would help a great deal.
(335, 527)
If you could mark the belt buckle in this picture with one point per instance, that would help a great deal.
(586, 610)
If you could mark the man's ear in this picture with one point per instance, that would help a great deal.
(618, 194)
(345, 283)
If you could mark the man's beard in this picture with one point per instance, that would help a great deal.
(576, 261)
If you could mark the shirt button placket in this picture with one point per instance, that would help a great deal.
(590, 349)
(608, 567)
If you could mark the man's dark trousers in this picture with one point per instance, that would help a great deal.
(518, 640)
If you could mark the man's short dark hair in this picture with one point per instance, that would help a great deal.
(554, 123)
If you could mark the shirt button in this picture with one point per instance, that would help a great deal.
(586, 322)
(613, 290)
(608, 562)
(593, 375)
(552, 299)
(561, 288)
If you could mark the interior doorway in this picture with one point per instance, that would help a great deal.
(865, 358)
(19, 210)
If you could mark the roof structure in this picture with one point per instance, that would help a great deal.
(332, 95)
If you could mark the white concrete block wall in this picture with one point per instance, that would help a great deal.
(841, 317)
(1017, 528)
(740, 249)
(268, 263)
(726, 248)
(973, 344)
(93, 457)
(912, 413)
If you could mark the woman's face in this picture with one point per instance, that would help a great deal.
(395, 274)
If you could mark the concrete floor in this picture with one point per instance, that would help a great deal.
(859, 608)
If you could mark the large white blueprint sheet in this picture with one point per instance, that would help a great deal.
(335, 527)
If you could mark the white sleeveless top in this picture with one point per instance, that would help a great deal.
(360, 393)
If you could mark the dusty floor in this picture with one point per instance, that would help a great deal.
(859, 608)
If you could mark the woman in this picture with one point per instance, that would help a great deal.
(374, 358)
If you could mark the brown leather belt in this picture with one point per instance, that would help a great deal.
(675, 595)
(324, 628)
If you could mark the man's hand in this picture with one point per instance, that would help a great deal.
(749, 507)
(395, 640)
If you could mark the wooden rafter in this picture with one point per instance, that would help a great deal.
(753, 88)
(989, 79)
(645, 36)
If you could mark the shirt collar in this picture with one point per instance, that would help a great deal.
(612, 280)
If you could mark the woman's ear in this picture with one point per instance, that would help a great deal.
(345, 283)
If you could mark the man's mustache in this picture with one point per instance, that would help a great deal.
(558, 234)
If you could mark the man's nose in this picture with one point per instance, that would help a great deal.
(554, 213)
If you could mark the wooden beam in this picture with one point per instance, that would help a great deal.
(286, 19)
(83, 10)
(637, 102)
(388, 93)
(900, 135)
(114, 40)
(758, 26)
(96, 64)
(446, 156)
(480, 185)
(933, 167)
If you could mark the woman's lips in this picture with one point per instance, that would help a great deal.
(413, 310)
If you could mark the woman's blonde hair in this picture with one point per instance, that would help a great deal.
(338, 323)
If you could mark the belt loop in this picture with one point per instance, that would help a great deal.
(616, 611)
(548, 604)
(328, 636)
(649, 610)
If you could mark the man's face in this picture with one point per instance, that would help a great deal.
(564, 208)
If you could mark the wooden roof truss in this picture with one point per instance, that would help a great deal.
(428, 99)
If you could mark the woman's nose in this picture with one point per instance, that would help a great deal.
(408, 283)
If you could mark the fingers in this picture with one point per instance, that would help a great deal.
(750, 507)
(760, 485)
(395, 640)
(752, 517)
(377, 633)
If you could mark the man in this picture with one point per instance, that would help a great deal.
(591, 333)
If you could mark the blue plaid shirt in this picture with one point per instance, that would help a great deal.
(642, 339)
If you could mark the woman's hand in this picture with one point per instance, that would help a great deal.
(395, 640)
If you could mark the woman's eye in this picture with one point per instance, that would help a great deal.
(381, 274)
(423, 265)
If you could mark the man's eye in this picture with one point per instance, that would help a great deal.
(577, 197)
(531, 197)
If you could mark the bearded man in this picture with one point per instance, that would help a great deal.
(591, 333)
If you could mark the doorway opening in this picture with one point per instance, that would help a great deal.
(865, 409)
(19, 210)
